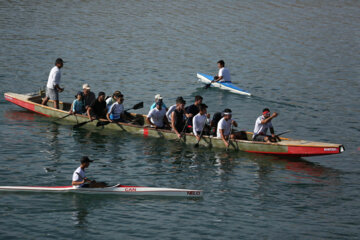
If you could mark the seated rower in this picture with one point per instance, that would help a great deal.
(172, 108)
(224, 128)
(262, 124)
(178, 116)
(97, 110)
(79, 180)
(224, 73)
(157, 116)
(116, 111)
(111, 100)
(77, 107)
(200, 121)
(88, 96)
(193, 109)
(158, 98)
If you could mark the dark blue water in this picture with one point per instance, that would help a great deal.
(300, 59)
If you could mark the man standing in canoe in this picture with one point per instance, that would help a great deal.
(224, 73)
(79, 179)
(53, 85)
(262, 124)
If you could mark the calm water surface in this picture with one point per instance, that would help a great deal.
(299, 58)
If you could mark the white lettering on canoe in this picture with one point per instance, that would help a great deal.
(130, 189)
(330, 149)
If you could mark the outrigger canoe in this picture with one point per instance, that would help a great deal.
(116, 190)
(206, 79)
(286, 147)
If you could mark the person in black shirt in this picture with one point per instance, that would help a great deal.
(178, 117)
(193, 109)
(97, 109)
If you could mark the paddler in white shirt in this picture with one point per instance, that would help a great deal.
(157, 116)
(79, 179)
(200, 120)
(224, 73)
(262, 124)
(224, 128)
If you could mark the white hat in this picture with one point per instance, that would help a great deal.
(86, 86)
(158, 97)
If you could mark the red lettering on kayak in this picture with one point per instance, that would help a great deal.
(193, 193)
(130, 189)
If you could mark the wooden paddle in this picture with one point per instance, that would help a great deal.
(81, 124)
(136, 106)
(231, 128)
(63, 117)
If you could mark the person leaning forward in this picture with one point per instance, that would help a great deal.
(53, 84)
(79, 180)
(116, 111)
(224, 128)
(97, 110)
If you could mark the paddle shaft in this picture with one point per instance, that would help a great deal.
(197, 144)
(228, 141)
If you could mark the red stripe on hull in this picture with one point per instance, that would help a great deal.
(23, 104)
(146, 132)
(298, 151)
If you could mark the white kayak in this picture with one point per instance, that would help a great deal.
(204, 78)
(116, 190)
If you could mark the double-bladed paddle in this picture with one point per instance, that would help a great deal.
(136, 106)
(209, 84)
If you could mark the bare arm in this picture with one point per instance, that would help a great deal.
(266, 120)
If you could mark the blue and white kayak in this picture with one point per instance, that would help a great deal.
(204, 78)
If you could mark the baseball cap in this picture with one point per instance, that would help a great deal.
(85, 159)
(86, 86)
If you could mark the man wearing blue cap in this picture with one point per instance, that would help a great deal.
(157, 116)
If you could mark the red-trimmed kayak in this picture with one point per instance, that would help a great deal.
(116, 190)
(287, 147)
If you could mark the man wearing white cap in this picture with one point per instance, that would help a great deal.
(224, 128)
(157, 98)
(88, 96)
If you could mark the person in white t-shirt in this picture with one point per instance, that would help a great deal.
(79, 180)
(224, 128)
(262, 124)
(224, 73)
(157, 116)
(200, 120)
(53, 84)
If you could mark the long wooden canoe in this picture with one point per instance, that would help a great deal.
(287, 147)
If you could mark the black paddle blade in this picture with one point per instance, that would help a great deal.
(196, 145)
(80, 124)
(101, 123)
(139, 105)
(207, 86)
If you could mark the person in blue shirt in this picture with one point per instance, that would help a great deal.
(77, 106)
(116, 111)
